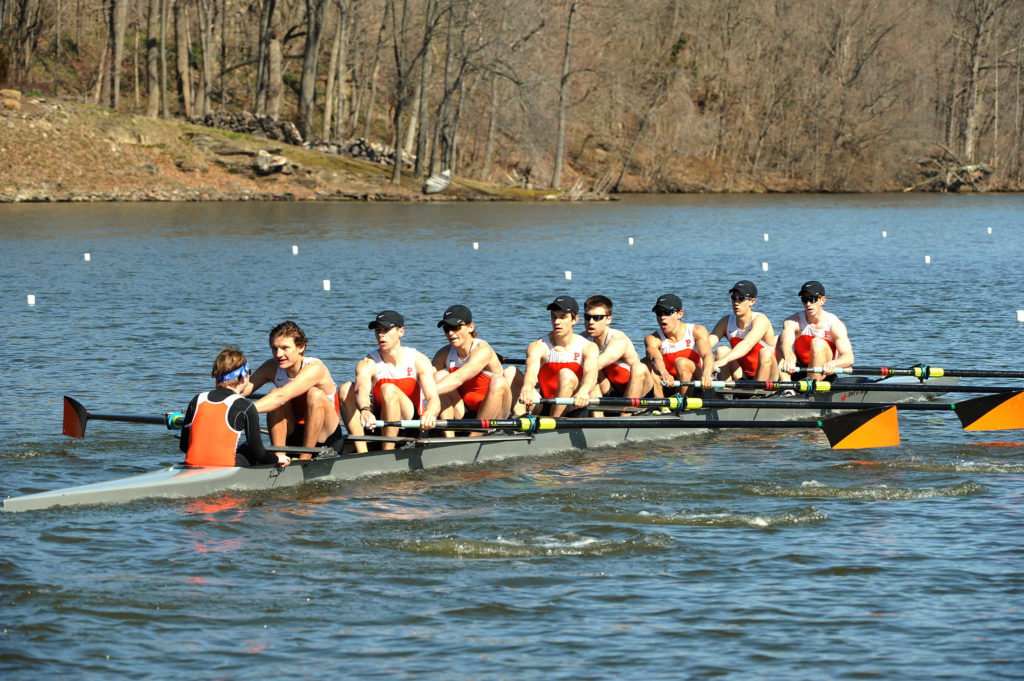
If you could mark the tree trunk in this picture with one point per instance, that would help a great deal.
(332, 69)
(163, 59)
(263, 54)
(153, 47)
(118, 24)
(556, 176)
(182, 65)
(341, 119)
(316, 15)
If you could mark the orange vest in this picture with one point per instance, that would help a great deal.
(212, 441)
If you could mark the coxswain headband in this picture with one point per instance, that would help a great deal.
(240, 372)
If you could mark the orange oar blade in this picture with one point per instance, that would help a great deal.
(863, 429)
(75, 417)
(1002, 411)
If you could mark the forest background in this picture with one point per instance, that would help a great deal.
(650, 95)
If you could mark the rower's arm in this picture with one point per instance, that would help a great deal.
(653, 347)
(425, 374)
(758, 330)
(616, 349)
(308, 376)
(707, 357)
(785, 351)
(718, 333)
(843, 346)
(477, 361)
(582, 396)
(264, 374)
(534, 354)
(186, 430)
(366, 372)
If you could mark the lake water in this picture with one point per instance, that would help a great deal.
(747, 554)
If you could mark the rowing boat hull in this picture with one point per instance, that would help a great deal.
(196, 481)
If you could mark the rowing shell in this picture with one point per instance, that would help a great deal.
(180, 481)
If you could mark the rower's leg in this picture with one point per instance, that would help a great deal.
(498, 400)
(280, 422)
(602, 388)
(515, 381)
(567, 384)
(729, 370)
(640, 380)
(350, 415)
(395, 406)
(767, 365)
(821, 352)
(686, 371)
(657, 389)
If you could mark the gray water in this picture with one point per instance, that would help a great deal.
(738, 554)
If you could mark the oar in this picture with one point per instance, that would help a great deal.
(921, 371)
(859, 429)
(76, 417)
(510, 360)
(810, 385)
(1002, 411)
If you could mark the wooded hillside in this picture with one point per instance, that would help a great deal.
(650, 95)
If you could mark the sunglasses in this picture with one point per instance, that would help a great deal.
(810, 299)
(738, 297)
(664, 311)
(594, 317)
(452, 327)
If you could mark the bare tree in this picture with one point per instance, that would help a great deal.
(563, 87)
(316, 17)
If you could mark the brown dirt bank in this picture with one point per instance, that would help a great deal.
(56, 150)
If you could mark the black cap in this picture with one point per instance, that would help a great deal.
(812, 288)
(456, 315)
(744, 288)
(388, 319)
(669, 301)
(565, 304)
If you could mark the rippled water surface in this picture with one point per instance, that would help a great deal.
(748, 554)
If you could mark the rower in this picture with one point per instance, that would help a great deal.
(563, 362)
(677, 351)
(813, 338)
(222, 428)
(392, 383)
(620, 373)
(470, 380)
(751, 338)
(302, 408)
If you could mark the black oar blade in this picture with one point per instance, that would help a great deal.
(1002, 411)
(863, 429)
(75, 417)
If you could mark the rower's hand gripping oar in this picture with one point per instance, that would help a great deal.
(857, 430)
(76, 417)
(1001, 411)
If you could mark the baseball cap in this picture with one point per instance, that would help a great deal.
(812, 288)
(668, 301)
(387, 319)
(456, 315)
(744, 288)
(565, 304)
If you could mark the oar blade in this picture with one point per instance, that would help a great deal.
(863, 429)
(75, 417)
(1002, 411)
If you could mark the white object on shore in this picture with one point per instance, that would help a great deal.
(31, 299)
(568, 275)
(295, 249)
(87, 256)
(438, 182)
(327, 284)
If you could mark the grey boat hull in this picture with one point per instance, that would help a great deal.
(180, 481)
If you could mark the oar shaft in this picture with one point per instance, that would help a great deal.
(808, 386)
(544, 423)
(922, 371)
(695, 403)
(128, 418)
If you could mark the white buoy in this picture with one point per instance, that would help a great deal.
(295, 249)
(766, 236)
(1020, 314)
(764, 267)
(630, 241)
(927, 259)
(87, 256)
(327, 284)
(31, 299)
(568, 275)
(989, 230)
(476, 245)
(884, 233)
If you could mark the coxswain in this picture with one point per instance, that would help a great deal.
(301, 409)
(813, 338)
(562, 363)
(471, 382)
(222, 428)
(392, 383)
(751, 338)
(620, 372)
(677, 351)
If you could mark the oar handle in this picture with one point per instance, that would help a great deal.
(510, 360)
(922, 371)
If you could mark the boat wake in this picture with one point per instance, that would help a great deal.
(529, 545)
(815, 489)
